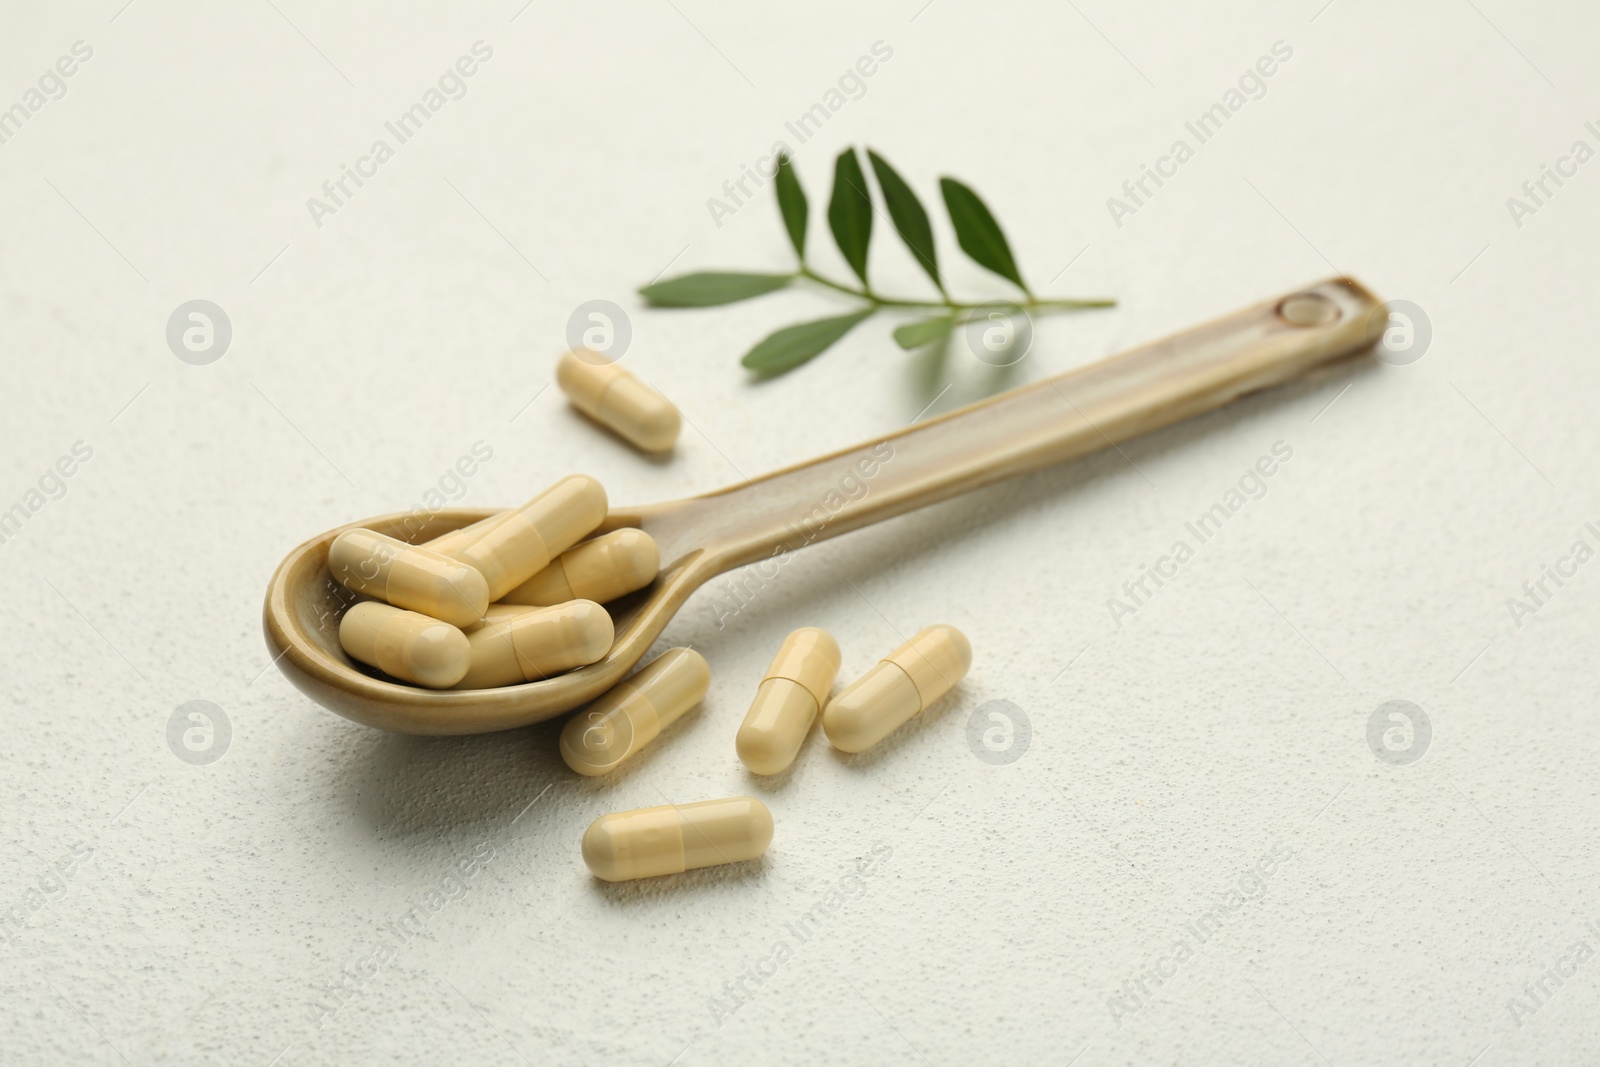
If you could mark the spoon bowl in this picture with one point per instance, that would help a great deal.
(1014, 433)
(304, 605)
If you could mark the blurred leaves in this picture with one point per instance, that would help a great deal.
(924, 331)
(978, 234)
(909, 217)
(793, 345)
(850, 211)
(792, 204)
(712, 288)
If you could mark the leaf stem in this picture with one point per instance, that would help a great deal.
(1030, 303)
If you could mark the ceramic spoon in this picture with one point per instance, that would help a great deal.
(1013, 433)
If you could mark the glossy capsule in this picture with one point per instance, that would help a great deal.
(408, 576)
(676, 837)
(633, 712)
(790, 696)
(445, 544)
(601, 569)
(409, 646)
(618, 400)
(903, 683)
(497, 612)
(531, 644)
(512, 548)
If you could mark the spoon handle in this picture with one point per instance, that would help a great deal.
(1023, 430)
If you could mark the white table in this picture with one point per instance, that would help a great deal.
(177, 911)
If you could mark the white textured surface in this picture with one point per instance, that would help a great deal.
(208, 908)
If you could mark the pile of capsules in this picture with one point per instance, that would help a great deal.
(519, 596)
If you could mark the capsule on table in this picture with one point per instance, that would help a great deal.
(512, 548)
(600, 569)
(790, 696)
(618, 400)
(676, 837)
(409, 646)
(903, 683)
(633, 712)
(408, 576)
(531, 644)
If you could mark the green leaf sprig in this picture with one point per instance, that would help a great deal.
(850, 214)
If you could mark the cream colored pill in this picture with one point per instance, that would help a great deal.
(514, 547)
(408, 576)
(676, 837)
(531, 644)
(619, 401)
(446, 543)
(903, 683)
(495, 612)
(790, 696)
(633, 712)
(600, 569)
(410, 646)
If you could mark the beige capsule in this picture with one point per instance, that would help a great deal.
(600, 569)
(512, 548)
(618, 400)
(409, 646)
(496, 612)
(408, 576)
(633, 712)
(787, 702)
(447, 543)
(530, 644)
(903, 683)
(676, 837)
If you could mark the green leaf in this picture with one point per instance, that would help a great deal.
(924, 331)
(793, 345)
(909, 217)
(792, 204)
(977, 232)
(710, 288)
(850, 212)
